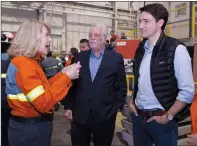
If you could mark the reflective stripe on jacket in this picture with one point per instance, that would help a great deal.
(27, 85)
(51, 66)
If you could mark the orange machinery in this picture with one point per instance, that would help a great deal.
(127, 48)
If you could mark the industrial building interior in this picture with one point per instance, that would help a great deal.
(71, 21)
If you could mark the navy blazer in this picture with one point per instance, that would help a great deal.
(103, 96)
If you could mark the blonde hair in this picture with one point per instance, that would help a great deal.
(27, 39)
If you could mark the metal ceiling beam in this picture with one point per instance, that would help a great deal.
(69, 12)
(77, 13)
(96, 10)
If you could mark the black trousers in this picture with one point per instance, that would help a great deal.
(102, 132)
(30, 134)
(5, 117)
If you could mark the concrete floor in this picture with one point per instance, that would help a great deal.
(61, 126)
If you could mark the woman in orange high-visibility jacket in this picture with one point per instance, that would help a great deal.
(193, 115)
(30, 95)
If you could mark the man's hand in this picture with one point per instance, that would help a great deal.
(68, 115)
(132, 107)
(72, 70)
(159, 119)
(192, 139)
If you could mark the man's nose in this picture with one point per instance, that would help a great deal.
(141, 25)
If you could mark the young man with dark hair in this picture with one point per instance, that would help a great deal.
(164, 85)
(84, 45)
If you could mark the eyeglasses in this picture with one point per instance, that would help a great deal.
(96, 35)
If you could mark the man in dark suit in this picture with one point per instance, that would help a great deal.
(98, 94)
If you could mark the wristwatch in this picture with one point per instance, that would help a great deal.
(169, 116)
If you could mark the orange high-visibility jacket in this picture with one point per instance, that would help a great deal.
(193, 114)
(26, 83)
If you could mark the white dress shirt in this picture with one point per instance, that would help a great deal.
(146, 98)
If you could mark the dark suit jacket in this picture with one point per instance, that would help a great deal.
(105, 95)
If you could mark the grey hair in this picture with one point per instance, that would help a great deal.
(103, 27)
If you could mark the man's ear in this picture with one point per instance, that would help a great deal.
(160, 22)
